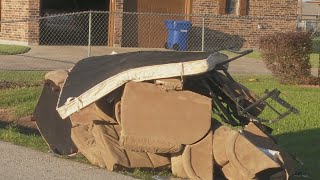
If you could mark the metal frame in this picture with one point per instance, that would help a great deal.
(240, 114)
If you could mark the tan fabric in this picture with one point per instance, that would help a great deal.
(177, 166)
(143, 159)
(241, 159)
(187, 163)
(93, 112)
(150, 117)
(86, 116)
(98, 140)
(170, 84)
(84, 140)
(147, 144)
(102, 149)
(55, 131)
(105, 110)
(202, 158)
(198, 159)
(100, 146)
(218, 141)
(117, 112)
(244, 156)
(107, 139)
(159, 160)
(253, 133)
(57, 77)
(139, 159)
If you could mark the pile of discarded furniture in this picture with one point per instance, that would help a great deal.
(177, 110)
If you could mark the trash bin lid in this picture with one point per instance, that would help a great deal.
(178, 25)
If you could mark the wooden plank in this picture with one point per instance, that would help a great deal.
(222, 7)
(152, 31)
(111, 23)
(242, 7)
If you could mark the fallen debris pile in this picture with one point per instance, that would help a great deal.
(154, 109)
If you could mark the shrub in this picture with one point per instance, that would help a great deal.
(287, 55)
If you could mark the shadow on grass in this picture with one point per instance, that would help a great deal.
(21, 129)
(305, 145)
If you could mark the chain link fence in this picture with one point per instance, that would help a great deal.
(58, 41)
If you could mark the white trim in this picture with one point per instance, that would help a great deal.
(9, 42)
(75, 104)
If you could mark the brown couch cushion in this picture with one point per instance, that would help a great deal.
(198, 159)
(85, 141)
(162, 120)
(57, 77)
(240, 159)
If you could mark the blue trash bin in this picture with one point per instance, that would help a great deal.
(178, 32)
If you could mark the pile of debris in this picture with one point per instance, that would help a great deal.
(154, 109)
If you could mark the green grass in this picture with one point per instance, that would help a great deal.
(30, 77)
(254, 55)
(13, 49)
(22, 100)
(314, 58)
(22, 136)
(299, 135)
(148, 174)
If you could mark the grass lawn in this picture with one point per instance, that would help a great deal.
(314, 58)
(20, 100)
(13, 49)
(299, 135)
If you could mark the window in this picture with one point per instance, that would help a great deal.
(233, 7)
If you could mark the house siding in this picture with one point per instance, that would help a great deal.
(275, 16)
(244, 27)
(118, 23)
(19, 32)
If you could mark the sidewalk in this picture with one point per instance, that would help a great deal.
(22, 163)
(47, 58)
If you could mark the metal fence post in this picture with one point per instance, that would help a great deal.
(89, 34)
(203, 31)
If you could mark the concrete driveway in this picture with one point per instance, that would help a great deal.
(21, 163)
(47, 58)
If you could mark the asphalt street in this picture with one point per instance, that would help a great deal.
(22, 163)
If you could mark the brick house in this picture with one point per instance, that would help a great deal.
(218, 21)
(19, 33)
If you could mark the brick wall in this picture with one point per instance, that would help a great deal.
(273, 8)
(255, 7)
(245, 31)
(118, 22)
(33, 26)
(19, 32)
(278, 15)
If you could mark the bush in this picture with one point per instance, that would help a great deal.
(287, 55)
